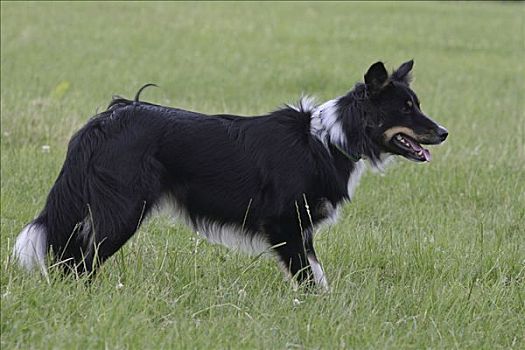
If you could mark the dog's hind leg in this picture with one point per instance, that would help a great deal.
(116, 210)
(108, 232)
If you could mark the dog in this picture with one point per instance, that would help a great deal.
(257, 184)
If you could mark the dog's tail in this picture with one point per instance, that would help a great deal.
(64, 226)
(58, 229)
(31, 246)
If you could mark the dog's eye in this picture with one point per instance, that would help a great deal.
(407, 107)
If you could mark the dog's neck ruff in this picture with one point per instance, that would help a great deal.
(354, 157)
(327, 127)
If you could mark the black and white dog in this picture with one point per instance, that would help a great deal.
(255, 184)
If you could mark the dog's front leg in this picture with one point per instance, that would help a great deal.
(296, 255)
(317, 269)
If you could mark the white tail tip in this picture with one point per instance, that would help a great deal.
(30, 247)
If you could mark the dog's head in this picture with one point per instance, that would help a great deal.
(397, 125)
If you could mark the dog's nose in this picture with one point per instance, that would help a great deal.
(442, 133)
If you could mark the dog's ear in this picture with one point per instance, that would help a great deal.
(402, 74)
(376, 77)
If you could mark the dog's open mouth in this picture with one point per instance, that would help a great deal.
(409, 148)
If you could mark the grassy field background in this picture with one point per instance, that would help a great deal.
(428, 256)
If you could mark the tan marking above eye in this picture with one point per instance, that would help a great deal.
(409, 103)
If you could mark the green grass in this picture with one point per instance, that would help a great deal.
(428, 256)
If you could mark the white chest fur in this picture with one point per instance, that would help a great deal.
(355, 176)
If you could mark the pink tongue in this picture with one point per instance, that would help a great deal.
(426, 153)
(417, 148)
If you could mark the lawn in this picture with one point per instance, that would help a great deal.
(426, 256)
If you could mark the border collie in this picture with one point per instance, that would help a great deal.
(254, 184)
